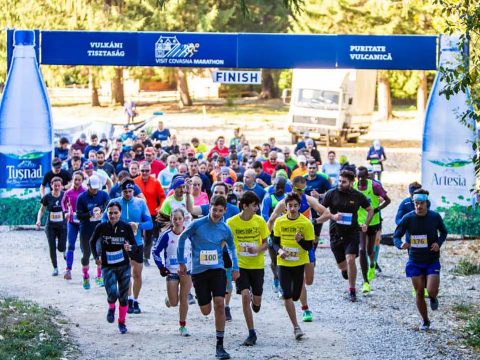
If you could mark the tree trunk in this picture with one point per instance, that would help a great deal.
(422, 95)
(92, 84)
(182, 88)
(118, 96)
(268, 86)
(384, 96)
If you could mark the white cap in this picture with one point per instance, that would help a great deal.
(94, 182)
(301, 159)
(280, 157)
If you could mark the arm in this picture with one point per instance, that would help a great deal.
(93, 241)
(443, 232)
(42, 190)
(386, 201)
(160, 246)
(82, 211)
(192, 209)
(399, 233)
(276, 243)
(160, 196)
(277, 212)
(370, 214)
(39, 216)
(231, 248)
(109, 184)
(181, 242)
(320, 209)
(400, 213)
(266, 205)
(146, 220)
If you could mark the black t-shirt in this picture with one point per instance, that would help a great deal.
(347, 203)
(64, 175)
(55, 215)
(107, 167)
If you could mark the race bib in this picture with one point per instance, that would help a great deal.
(173, 261)
(56, 216)
(114, 257)
(377, 167)
(346, 219)
(419, 241)
(243, 249)
(292, 254)
(208, 257)
(75, 218)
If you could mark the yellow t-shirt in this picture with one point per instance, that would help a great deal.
(286, 229)
(298, 172)
(248, 234)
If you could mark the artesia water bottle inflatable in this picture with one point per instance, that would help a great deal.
(25, 134)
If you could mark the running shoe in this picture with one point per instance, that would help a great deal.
(122, 328)
(55, 272)
(136, 308)
(298, 333)
(167, 303)
(366, 288)
(220, 353)
(146, 262)
(352, 296)
(425, 292)
(276, 286)
(424, 326)
(67, 275)
(86, 284)
(99, 281)
(307, 316)
(191, 299)
(250, 340)
(111, 315)
(371, 273)
(228, 314)
(434, 303)
(183, 331)
(130, 306)
(378, 268)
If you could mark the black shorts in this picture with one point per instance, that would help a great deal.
(208, 284)
(250, 279)
(291, 281)
(342, 245)
(137, 254)
(372, 229)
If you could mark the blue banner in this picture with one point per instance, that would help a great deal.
(233, 50)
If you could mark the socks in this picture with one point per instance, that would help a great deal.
(220, 337)
(99, 271)
(252, 332)
(122, 314)
(111, 306)
(352, 290)
(376, 252)
(85, 272)
(69, 259)
(304, 307)
(182, 323)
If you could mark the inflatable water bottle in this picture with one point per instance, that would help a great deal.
(25, 134)
(447, 168)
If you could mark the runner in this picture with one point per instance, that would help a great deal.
(373, 190)
(178, 287)
(135, 213)
(293, 237)
(69, 207)
(56, 170)
(116, 238)
(250, 234)
(423, 245)
(55, 227)
(208, 275)
(90, 205)
(344, 202)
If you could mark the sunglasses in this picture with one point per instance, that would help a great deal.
(113, 212)
(298, 189)
(145, 171)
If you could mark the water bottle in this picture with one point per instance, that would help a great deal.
(447, 168)
(25, 134)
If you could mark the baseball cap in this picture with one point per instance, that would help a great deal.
(177, 182)
(88, 165)
(94, 182)
(280, 157)
(302, 159)
(281, 173)
(127, 184)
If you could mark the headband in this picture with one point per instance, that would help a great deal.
(420, 197)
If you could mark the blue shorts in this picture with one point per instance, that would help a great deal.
(417, 269)
(175, 276)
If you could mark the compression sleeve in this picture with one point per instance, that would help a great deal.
(276, 243)
(306, 245)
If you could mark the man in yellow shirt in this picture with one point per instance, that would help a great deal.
(250, 233)
(293, 237)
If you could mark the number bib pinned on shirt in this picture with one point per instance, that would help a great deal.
(377, 167)
(346, 219)
(208, 257)
(56, 216)
(243, 249)
(292, 254)
(172, 260)
(114, 257)
(419, 241)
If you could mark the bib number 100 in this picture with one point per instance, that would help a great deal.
(208, 257)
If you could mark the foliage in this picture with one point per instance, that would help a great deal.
(471, 329)
(466, 268)
(461, 219)
(16, 211)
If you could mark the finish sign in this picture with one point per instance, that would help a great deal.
(237, 77)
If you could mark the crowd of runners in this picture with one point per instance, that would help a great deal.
(207, 216)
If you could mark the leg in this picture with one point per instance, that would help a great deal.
(72, 233)
(136, 278)
(351, 270)
(172, 292)
(62, 239)
(419, 285)
(123, 276)
(147, 243)
(110, 281)
(273, 263)
(286, 282)
(433, 284)
(363, 256)
(185, 285)
(219, 309)
(52, 248)
(247, 311)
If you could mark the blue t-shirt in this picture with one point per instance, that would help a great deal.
(89, 148)
(60, 153)
(257, 189)
(161, 135)
(231, 211)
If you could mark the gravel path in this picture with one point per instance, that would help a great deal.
(383, 325)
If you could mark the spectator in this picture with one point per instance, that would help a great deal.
(161, 134)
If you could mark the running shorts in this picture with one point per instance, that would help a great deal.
(137, 254)
(418, 269)
(250, 279)
(208, 284)
(343, 245)
(291, 281)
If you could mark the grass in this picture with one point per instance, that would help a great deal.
(466, 267)
(28, 331)
(471, 330)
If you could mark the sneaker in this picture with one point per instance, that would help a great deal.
(352, 296)
(67, 275)
(55, 272)
(307, 316)
(434, 303)
(111, 315)
(424, 326)
(228, 314)
(183, 331)
(250, 340)
(136, 308)
(378, 268)
(220, 353)
(276, 286)
(366, 288)
(425, 292)
(167, 303)
(130, 306)
(191, 299)
(86, 284)
(122, 328)
(146, 262)
(371, 273)
(99, 281)
(298, 333)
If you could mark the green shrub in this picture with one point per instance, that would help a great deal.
(466, 267)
